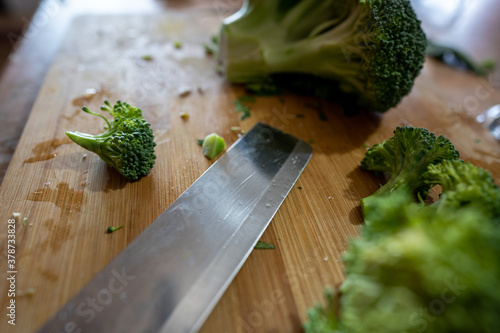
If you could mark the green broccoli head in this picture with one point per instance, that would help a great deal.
(464, 184)
(405, 158)
(127, 144)
(438, 273)
(373, 49)
(421, 267)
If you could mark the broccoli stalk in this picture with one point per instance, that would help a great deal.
(373, 49)
(127, 144)
(405, 157)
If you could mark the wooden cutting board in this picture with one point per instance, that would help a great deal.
(69, 196)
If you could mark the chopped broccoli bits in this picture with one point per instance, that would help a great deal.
(113, 229)
(127, 144)
(261, 245)
(213, 145)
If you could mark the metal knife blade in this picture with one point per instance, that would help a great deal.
(173, 274)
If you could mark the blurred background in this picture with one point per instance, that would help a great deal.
(32, 30)
(47, 20)
(471, 26)
(13, 16)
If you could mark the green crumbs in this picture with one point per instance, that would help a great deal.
(240, 106)
(264, 246)
(113, 229)
(266, 88)
(246, 98)
(213, 145)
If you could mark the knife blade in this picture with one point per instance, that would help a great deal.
(173, 274)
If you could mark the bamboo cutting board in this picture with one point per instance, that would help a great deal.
(69, 196)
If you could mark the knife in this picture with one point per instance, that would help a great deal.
(173, 274)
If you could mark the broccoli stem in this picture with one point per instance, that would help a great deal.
(253, 59)
(92, 143)
(113, 229)
(87, 141)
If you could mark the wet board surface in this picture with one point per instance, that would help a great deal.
(70, 197)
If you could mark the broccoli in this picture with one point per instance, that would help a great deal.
(110, 230)
(438, 273)
(127, 144)
(213, 145)
(372, 49)
(261, 245)
(420, 266)
(464, 184)
(405, 157)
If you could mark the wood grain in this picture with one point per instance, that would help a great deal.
(71, 198)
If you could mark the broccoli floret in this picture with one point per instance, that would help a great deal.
(373, 49)
(127, 144)
(405, 158)
(420, 266)
(437, 274)
(464, 184)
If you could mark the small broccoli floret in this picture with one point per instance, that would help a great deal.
(464, 184)
(372, 49)
(405, 158)
(128, 143)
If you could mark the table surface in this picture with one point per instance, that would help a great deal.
(464, 95)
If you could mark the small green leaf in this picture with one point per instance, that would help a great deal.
(247, 98)
(240, 107)
(264, 89)
(264, 246)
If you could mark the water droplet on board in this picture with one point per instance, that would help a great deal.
(46, 150)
